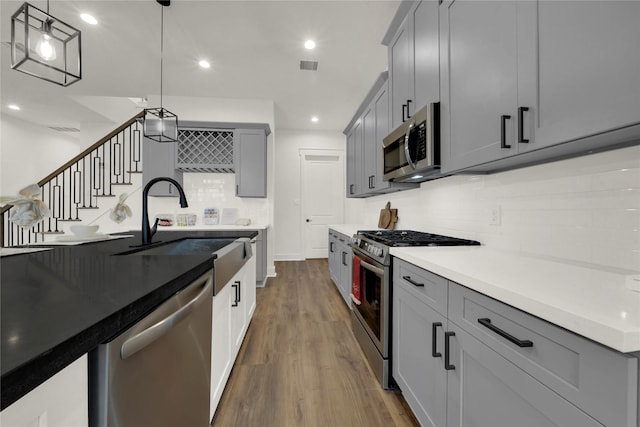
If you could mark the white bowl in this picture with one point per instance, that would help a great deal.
(84, 230)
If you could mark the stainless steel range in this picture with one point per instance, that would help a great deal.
(372, 291)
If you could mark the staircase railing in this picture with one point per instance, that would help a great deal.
(81, 182)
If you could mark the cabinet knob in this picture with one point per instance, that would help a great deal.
(308, 220)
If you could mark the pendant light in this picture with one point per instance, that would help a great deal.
(45, 47)
(160, 124)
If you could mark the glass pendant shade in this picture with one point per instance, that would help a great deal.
(160, 125)
(45, 47)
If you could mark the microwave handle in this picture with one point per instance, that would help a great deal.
(406, 145)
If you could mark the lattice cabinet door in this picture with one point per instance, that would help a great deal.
(205, 150)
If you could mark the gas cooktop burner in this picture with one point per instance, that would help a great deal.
(413, 238)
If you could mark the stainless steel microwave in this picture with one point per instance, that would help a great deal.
(412, 150)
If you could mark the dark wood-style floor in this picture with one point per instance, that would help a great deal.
(300, 365)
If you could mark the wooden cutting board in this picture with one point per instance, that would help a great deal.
(388, 217)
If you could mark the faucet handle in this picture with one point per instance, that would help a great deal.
(155, 227)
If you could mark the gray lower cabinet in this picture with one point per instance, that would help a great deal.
(250, 162)
(340, 258)
(159, 159)
(261, 257)
(420, 377)
(464, 359)
(485, 389)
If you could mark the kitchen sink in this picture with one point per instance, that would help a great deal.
(186, 246)
(229, 255)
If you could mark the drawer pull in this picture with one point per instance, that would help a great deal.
(486, 322)
(413, 282)
(447, 364)
(434, 349)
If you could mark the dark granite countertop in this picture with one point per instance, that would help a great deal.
(59, 304)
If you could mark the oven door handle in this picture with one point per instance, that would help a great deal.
(372, 268)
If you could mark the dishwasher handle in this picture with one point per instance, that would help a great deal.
(152, 333)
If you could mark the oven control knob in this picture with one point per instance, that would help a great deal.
(379, 251)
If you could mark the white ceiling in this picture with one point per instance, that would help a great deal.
(254, 47)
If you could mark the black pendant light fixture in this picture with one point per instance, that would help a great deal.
(45, 47)
(160, 124)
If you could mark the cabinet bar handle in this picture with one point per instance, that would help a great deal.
(503, 131)
(350, 188)
(486, 322)
(413, 282)
(447, 351)
(434, 330)
(235, 297)
(408, 114)
(344, 254)
(331, 247)
(521, 111)
(404, 112)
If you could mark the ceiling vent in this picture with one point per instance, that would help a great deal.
(309, 65)
(64, 129)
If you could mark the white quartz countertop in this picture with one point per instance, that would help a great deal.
(350, 229)
(596, 303)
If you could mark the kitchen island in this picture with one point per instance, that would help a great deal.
(58, 304)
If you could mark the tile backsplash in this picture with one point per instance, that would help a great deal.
(585, 209)
(214, 190)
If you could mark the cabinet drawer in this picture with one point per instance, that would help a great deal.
(426, 286)
(600, 381)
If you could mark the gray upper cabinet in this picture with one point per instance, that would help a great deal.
(588, 70)
(479, 81)
(527, 82)
(414, 67)
(400, 85)
(250, 161)
(365, 132)
(159, 159)
(354, 160)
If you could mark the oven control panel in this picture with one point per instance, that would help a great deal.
(368, 247)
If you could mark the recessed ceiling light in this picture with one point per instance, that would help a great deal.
(314, 119)
(13, 107)
(88, 19)
(309, 44)
(204, 64)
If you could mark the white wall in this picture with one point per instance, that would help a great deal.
(585, 209)
(28, 153)
(288, 181)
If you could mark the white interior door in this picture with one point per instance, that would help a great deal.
(322, 198)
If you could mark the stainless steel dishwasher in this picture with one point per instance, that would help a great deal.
(157, 373)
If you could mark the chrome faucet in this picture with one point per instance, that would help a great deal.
(147, 231)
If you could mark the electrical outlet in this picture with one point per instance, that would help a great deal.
(495, 215)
